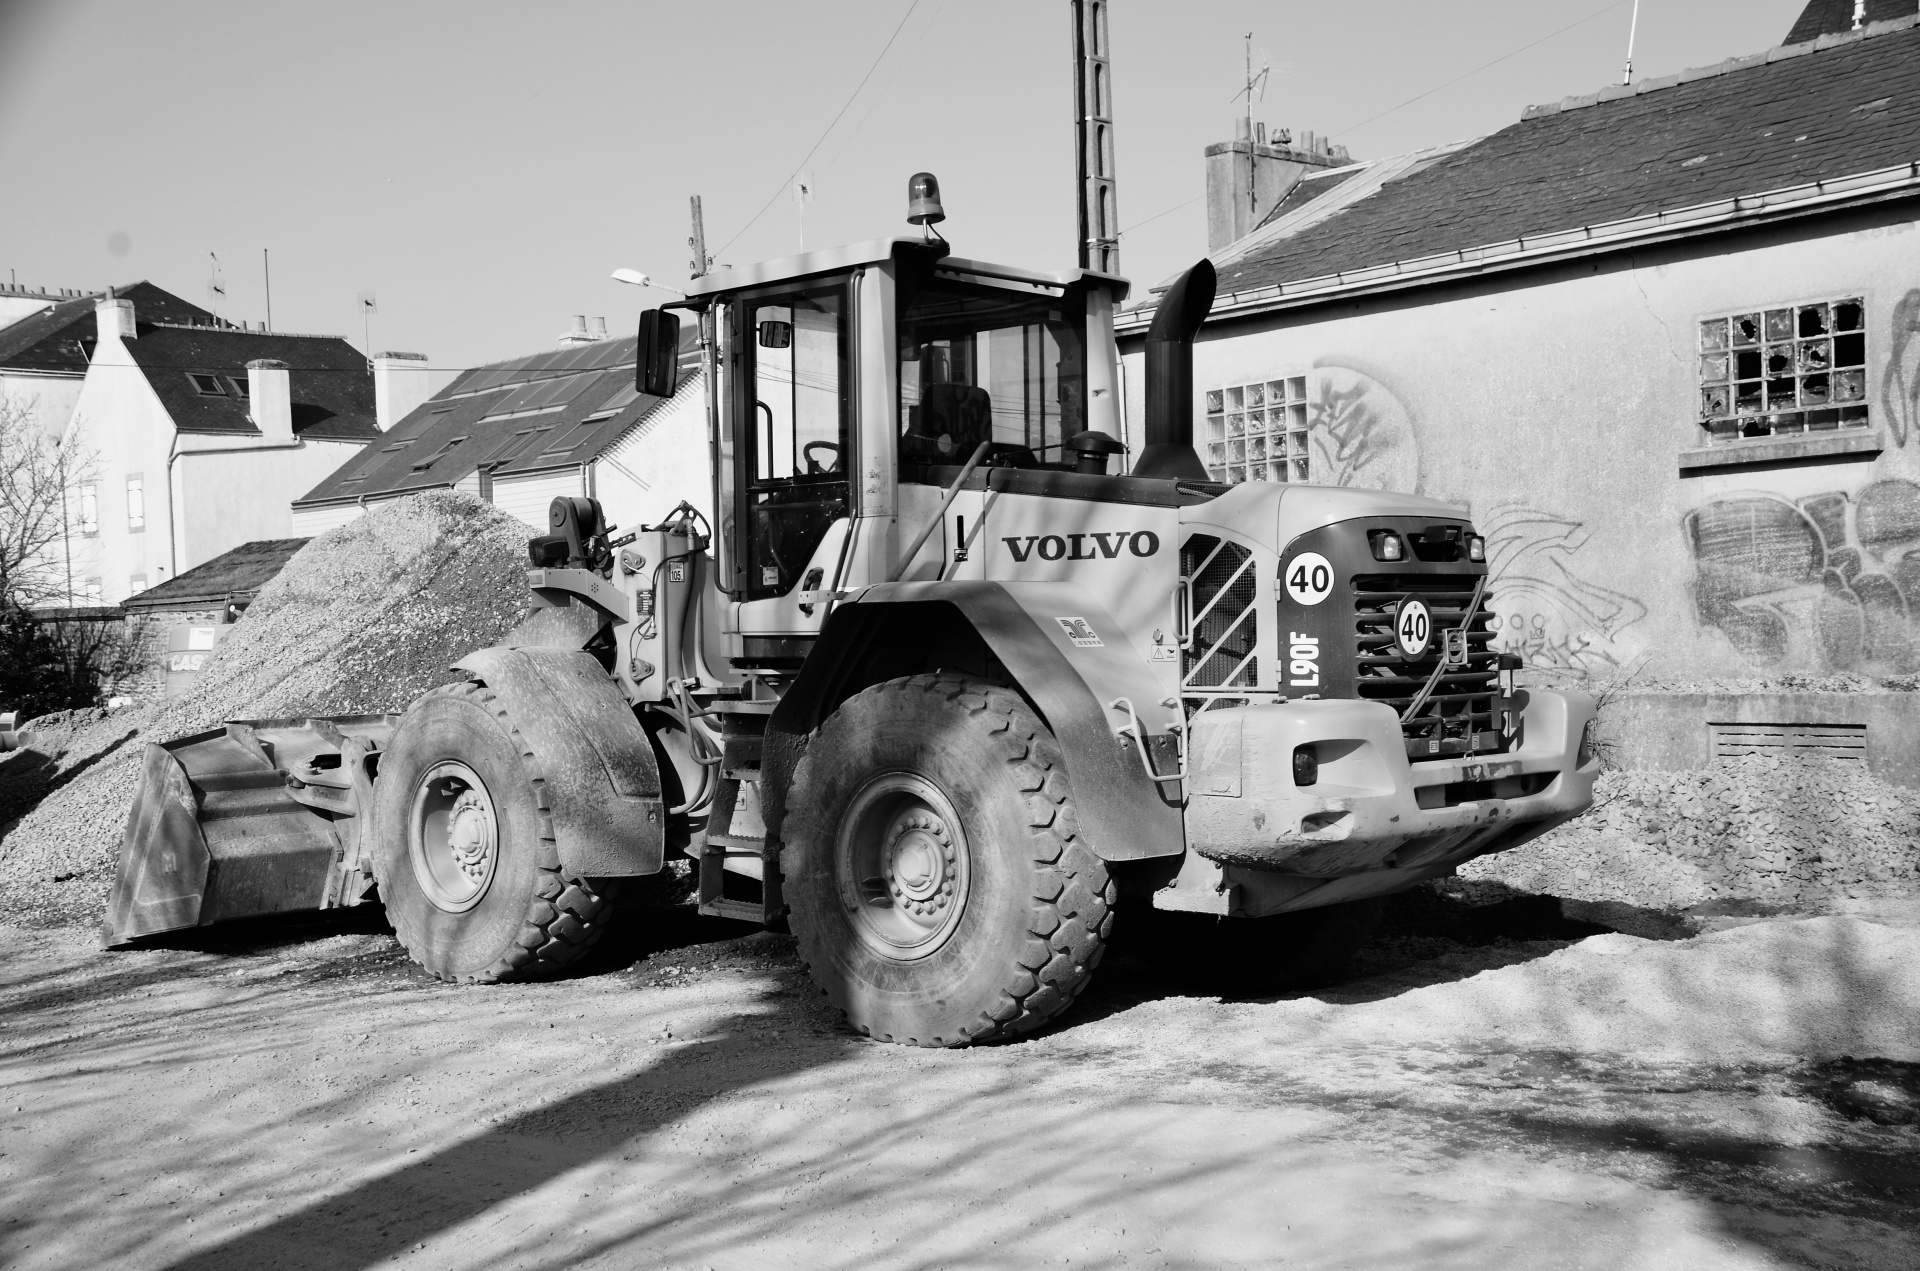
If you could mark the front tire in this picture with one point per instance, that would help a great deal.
(464, 852)
(940, 892)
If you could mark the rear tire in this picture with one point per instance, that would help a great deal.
(464, 850)
(941, 894)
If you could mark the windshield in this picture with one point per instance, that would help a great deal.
(979, 363)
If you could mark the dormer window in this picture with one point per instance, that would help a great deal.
(239, 383)
(208, 385)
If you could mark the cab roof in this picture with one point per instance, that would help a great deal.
(829, 260)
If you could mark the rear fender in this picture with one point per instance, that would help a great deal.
(598, 769)
(1122, 812)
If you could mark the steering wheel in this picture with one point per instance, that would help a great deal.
(814, 467)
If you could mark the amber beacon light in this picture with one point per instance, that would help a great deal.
(923, 200)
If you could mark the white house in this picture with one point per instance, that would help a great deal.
(204, 435)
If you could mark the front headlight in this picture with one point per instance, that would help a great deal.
(1387, 545)
(1476, 548)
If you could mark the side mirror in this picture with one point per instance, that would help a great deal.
(656, 368)
(775, 334)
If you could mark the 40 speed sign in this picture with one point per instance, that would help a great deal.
(1412, 628)
(1309, 578)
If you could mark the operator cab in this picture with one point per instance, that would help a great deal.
(842, 380)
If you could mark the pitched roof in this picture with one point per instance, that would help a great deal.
(329, 380)
(60, 338)
(1844, 106)
(1835, 17)
(550, 410)
(235, 575)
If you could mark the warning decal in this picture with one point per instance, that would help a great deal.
(1080, 631)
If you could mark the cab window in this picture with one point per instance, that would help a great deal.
(981, 364)
(793, 440)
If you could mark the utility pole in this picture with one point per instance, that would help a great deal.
(1099, 224)
(701, 261)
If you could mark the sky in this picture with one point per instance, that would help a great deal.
(480, 168)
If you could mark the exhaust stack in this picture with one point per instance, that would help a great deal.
(1169, 448)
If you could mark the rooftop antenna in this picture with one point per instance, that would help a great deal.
(216, 289)
(369, 306)
(803, 195)
(1253, 89)
(266, 272)
(1859, 14)
(1633, 29)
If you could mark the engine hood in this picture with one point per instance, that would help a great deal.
(1273, 515)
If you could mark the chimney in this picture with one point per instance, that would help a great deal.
(597, 329)
(115, 317)
(1247, 176)
(270, 399)
(578, 333)
(399, 385)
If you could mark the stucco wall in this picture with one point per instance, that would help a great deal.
(1555, 404)
(120, 421)
(650, 470)
(234, 495)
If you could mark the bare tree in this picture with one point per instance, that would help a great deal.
(39, 476)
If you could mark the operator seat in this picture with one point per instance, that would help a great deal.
(961, 414)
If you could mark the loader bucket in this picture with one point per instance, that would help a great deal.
(251, 819)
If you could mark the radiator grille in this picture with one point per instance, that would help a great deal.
(1462, 714)
(1795, 741)
(1225, 623)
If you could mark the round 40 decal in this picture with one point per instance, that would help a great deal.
(1412, 628)
(1309, 578)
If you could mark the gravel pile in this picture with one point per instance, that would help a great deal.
(363, 619)
(1796, 834)
(1812, 988)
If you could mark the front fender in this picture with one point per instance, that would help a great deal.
(601, 781)
(1123, 814)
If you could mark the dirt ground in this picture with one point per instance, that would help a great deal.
(306, 1098)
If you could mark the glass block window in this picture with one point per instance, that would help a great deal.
(1258, 432)
(1779, 372)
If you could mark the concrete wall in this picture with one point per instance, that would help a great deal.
(1556, 404)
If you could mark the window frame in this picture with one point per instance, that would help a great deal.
(87, 494)
(136, 487)
(1228, 406)
(195, 377)
(1734, 406)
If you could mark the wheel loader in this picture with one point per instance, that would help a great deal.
(933, 687)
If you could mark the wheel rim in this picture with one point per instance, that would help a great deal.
(453, 837)
(903, 867)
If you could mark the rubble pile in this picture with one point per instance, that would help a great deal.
(363, 619)
(1792, 833)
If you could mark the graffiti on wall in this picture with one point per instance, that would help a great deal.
(1900, 389)
(1361, 432)
(1544, 609)
(1831, 580)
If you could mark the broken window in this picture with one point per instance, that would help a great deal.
(1783, 372)
(1258, 432)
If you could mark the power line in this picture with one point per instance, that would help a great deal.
(1168, 212)
(1483, 66)
(782, 189)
